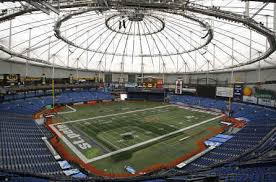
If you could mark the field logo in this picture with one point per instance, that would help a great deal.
(77, 140)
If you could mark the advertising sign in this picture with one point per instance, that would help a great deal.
(238, 92)
(224, 92)
(250, 99)
(266, 102)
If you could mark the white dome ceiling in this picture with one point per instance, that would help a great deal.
(139, 40)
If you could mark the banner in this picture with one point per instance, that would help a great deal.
(266, 102)
(43, 79)
(250, 99)
(189, 90)
(224, 91)
(92, 102)
(71, 80)
(159, 83)
(238, 92)
(178, 86)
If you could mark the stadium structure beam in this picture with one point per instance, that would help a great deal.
(245, 21)
(264, 1)
(173, 44)
(150, 51)
(194, 47)
(259, 10)
(42, 5)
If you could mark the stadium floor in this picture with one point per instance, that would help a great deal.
(137, 134)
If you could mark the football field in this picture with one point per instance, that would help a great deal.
(140, 134)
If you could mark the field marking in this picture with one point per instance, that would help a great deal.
(84, 159)
(149, 141)
(117, 114)
(184, 138)
(125, 129)
(68, 143)
(196, 109)
(101, 146)
(66, 112)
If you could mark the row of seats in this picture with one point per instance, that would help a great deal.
(22, 148)
(230, 174)
(250, 112)
(26, 95)
(30, 106)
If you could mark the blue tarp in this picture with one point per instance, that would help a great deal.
(211, 143)
(224, 136)
(64, 164)
(79, 175)
(71, 172)
(217, 140)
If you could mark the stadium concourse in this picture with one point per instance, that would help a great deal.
(138, 90)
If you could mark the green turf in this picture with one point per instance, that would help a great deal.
(124, 130)
(161, 152)
(91, 153)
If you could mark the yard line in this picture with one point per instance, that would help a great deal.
(106, 140)
(90, 138)
(97, 117)
(149, 141)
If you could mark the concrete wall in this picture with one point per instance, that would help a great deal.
(37, 71)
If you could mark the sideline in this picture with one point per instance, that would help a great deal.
(66, 112)
(105, 116)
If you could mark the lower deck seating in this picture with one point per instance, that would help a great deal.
(261, 121)
(21, 145)
(230, 174)
(22, 148)
(30, 106)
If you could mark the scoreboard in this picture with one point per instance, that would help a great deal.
(150, 82)
(11, 79)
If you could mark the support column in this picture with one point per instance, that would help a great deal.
(207, 74)
(49, 49)
(185, 80)
(250, 44)
(164, 73)
(68, 55)
(259, 69)
(77, 70)
(274, 18)
(246, 12)
(142, 69)
(28, 52)
(232, 72)
(53, 80)
(87, 52)
(214, 56)
(10, 35)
